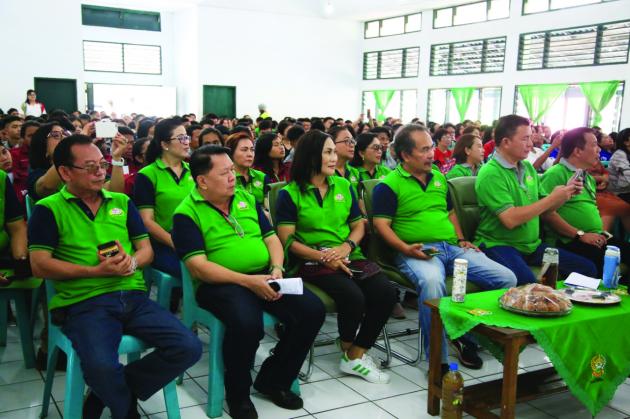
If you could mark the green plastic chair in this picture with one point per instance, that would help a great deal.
(75, 384)
(274, 190)
(195, 314)
(20, 292)
(164, 284)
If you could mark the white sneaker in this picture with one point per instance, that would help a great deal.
(365, 368)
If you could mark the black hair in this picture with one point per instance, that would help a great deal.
(403, 143)
(438, 135)
(487, 135)
(211, 130)
(123, 130)
(363, 142)
(381, 130)
(573, 139)
(318, 124)
(334, 131)
(265, 124)
(11, 110)
(144, 126)
(163, 133)
(283, 125)
(507, 126)
(62, 156)
(136, 148)
(307, 157)
(201, 159)
(294, 133)
(192, 127)
(27, 125)
(11, 118)
(448, 125)
(58, 113)
(622, 137)
(37, 158)
(240, 128)
(464, 142)
(263, 145)
(28, 92)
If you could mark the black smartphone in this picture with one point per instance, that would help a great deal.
(108, 249)
(274, 286)
(431, 251)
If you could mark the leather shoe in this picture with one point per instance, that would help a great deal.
(242, 409)
(283, 398)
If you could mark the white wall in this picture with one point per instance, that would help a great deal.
(55, 48)
(512, 27)
(296, 65)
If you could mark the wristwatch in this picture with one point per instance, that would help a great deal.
(352, 244)
(120, 162)
(578, 235)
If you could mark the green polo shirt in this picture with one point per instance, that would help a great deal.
(580, 211)
(64, 226)
(255, 185)
(419, 213)
(352, 175)
(320, 221)
(234, 240)
(157, 187)
(460, 170)
(500, 186)
(380, 172)
(9, 208)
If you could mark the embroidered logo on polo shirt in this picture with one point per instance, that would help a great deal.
(529, 179)
(258, 184)
(353, 178)
(242, 205)
(116, 212)
(437, 184)
(339, 197)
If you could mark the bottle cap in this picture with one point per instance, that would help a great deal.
(453, 366)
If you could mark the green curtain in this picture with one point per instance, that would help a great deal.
(462, 96)
(382, 98)
(538, 98)
(598, 94)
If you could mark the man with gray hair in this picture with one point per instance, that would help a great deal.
(413, 215)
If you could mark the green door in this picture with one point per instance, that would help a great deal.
(220, 100)
(57, 93)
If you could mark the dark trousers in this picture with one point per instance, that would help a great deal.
(363, 303)
(241, 311)
(95, 327)
(166, 259)
(596, 254)
(518, 262)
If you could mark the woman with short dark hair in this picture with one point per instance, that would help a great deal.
(468, 154)
(320, 224)
(269, 158)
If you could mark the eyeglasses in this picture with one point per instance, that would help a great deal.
(182, 138)
(348, 141)
(378, 147)
(92, 168)
(58, 134)
(277, 144)
(234, 224)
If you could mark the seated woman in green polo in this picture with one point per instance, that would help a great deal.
(242, 153)
(468, 155)
(319, 221)
(161, 186)
(368, 155)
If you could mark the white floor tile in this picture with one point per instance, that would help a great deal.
(11, 352)
(413, 374)
(531, 357)
(526, 411)
(490, 366)
(21, 395)
(330, 364)
(621, 400)
(403, 348)
(317, 374)
(364, 410)
(565, 405)
(263, 352)
(14, 372)
(30, 413)
(330, 324)
(327, 395)
(397, 386)
(192, 412)
(267, 410)
(413, 405)
(188, 394)
(200, 368)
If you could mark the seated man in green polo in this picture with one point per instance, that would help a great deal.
(92, 244)
(232, 252)
(577, 225)
(507, 190)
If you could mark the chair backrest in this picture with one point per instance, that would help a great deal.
(30, 204)
(367, 189)
(274, 190)
(464, 198)
(190, 303)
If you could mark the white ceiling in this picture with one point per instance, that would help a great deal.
(341, 9)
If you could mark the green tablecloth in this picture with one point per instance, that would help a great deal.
(590, 348)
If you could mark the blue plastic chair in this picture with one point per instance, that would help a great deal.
(195, 314)
(20, 292)
(164, 283)
(75, 384)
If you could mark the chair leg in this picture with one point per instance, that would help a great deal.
(305, 376)
(53, 353)
(73, 403)
(388, 349)
(216, 389)
(35, 300)
(295, 387)
(4, 320)
(170, 399)
(24, 326)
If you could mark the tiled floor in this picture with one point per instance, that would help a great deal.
(327, 395)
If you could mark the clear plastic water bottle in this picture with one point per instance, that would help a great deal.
(612, 259)
(460, 272)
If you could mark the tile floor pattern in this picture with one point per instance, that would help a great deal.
(327, 395)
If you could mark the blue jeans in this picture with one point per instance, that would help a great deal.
(95, 327)
(518, 262)
(429, 277)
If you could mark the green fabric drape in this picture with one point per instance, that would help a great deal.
(588, 354)
(462, 96)
(598, 94)
(538, 98)
(382, 98)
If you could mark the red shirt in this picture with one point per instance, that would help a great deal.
(20, 170)
(441, 157)
(488, 148)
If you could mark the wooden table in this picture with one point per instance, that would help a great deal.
(480, 399)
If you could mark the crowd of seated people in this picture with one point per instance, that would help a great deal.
(175, 189)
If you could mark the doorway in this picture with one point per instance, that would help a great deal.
(220, 100)
(57, 93)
